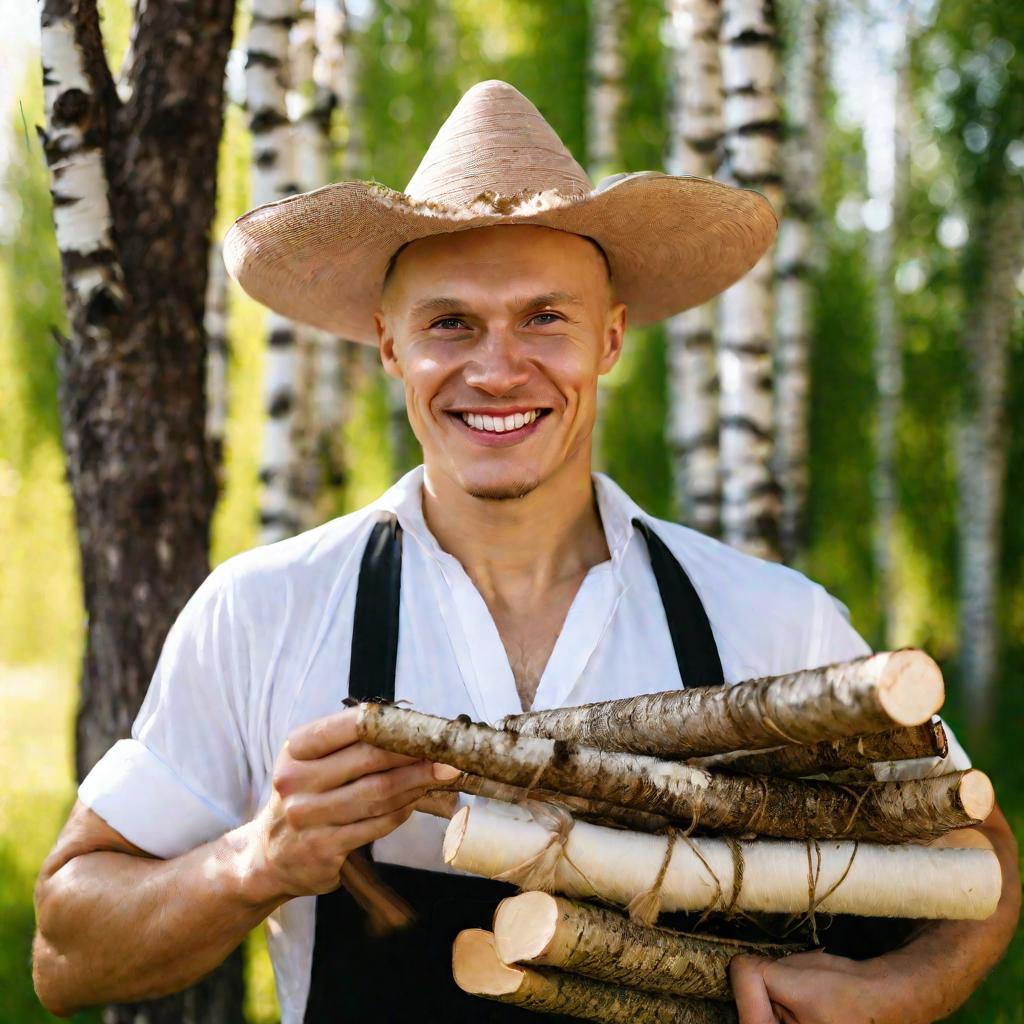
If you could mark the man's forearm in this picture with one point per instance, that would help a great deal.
(947, 960)
(115, 927)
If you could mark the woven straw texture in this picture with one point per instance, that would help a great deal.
(672, 242)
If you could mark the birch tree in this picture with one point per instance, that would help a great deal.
(885, 142)
(695, 148)
(750, 506)
(798, 255)
(604, 102)
(215, 322)
(982, 441)
(133, 171)
(273, 178)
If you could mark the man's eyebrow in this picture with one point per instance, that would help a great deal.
(552, 299)
(435, 305)
(446, 303)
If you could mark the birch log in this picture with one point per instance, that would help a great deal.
(750, 506)
(590, 809)
(538, 929)
(837, 877)
(859, 697)
(890, 811)
(824, 758)
(693, 373)
(478, 970)
(798, 255)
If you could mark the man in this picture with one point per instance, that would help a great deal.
(500, 575)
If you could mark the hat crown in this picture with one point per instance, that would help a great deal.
(495, 141)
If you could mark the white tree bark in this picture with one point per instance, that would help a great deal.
(888, 170)
(78, 181)
(695, 148)
(750, 505)
(215, 322)
(273, 178)
(605, 94)
(798, 255)
(982, 444)
(832, 876)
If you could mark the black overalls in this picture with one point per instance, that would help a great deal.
(406, 975)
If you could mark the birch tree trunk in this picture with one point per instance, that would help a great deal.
(215, 323)
(273, 178)
(132, 372)
(750, 505)
(982, 444)
(696, 139)
(798, 256)
(604, 103)
(888, 168)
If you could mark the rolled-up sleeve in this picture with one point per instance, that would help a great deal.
(183, 779)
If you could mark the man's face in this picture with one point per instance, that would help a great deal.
(499, 335)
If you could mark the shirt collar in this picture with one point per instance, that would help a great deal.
(618, 509)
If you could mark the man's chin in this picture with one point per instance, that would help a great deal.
(500, 490)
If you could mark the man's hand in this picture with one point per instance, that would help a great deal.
(815, 988)
(331, 794)
(922, 981)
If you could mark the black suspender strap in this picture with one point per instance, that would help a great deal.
(371, 674)
(694, 643)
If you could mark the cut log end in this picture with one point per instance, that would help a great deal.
(977, 797)
(454, 835)
(962, 839)
(524, 926)
(911, 688)
(478, 969)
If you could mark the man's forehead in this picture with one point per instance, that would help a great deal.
(445, 265)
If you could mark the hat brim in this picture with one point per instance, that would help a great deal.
(673, 242)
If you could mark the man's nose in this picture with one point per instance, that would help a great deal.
(498, 364)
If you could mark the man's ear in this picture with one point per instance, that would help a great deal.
(614, 335)
(386, 345)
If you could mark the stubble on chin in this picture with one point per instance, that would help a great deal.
(503, 492)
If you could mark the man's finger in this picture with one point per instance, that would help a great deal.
(350, 763)
(746, 974)
(368, 797)
(324, 735)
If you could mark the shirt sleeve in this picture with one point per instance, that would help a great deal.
(182, 779)
(839, 641)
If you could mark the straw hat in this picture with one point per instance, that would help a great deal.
(672, 241)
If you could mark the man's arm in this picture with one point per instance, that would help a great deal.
(116, 925)
(921, 982)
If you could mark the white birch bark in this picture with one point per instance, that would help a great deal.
(78, 181)
(695, 149)
(886, 141)
(798, 255)
(750, 505)
(605, 94)
(982, 445)
(273, 178)
(215, 323)
(604, 103)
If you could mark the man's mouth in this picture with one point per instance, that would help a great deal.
(508, 425)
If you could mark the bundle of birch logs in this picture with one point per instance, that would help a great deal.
(768, 796)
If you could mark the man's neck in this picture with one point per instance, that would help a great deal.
(515, 549)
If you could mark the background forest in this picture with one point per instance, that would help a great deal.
(903, 156)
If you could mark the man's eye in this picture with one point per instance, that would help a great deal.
(448, 320)
(555, 315)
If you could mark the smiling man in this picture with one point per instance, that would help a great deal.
(502, 574)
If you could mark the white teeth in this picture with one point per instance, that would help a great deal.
(499, 424)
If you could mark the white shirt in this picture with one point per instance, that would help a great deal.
(263, 646)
